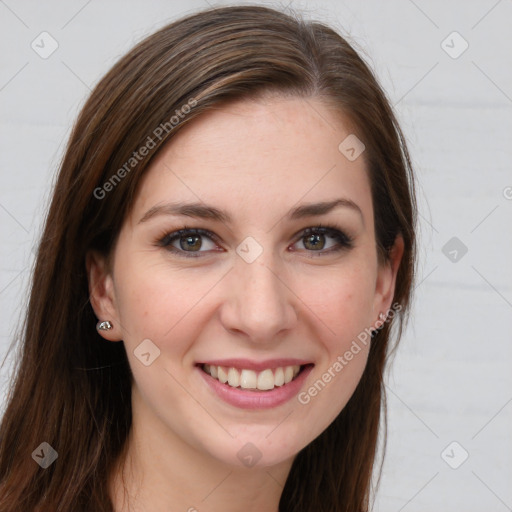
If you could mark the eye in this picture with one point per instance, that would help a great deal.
(189, 241)
(314, 240)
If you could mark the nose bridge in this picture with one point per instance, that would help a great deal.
(261, 305)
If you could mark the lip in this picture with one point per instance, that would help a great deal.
(248, 364)
(248, 399)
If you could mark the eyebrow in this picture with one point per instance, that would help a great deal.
(204, 211)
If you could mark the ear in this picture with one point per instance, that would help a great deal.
(101, 294)
(386, 279)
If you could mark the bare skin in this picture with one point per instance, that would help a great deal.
(256, 161)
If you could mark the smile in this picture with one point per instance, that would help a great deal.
(244, 378)
(249, 384)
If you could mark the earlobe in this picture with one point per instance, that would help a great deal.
(101, 295)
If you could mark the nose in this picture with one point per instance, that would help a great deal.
(259, 303)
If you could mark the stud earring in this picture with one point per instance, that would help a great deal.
(104, 326)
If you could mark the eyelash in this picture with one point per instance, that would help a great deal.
(345, 242)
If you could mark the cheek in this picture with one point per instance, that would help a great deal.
(343, 304)
(160, 304)
(344, 310)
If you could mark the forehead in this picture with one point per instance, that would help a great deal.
(258, 158)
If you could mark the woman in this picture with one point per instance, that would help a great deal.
(231, 235)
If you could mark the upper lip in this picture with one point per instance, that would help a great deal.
(255, 365)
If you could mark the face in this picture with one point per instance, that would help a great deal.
(255, 288)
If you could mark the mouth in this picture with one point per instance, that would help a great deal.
(247, 379)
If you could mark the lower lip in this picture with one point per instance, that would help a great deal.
(247, 399)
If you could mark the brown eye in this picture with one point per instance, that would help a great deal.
(190, 242)
(314, 240)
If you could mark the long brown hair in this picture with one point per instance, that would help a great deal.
(72, 389)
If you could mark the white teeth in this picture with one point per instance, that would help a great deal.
(222, 375)
(266, 380)
(233, 377)
(249, 379)
(279, 377)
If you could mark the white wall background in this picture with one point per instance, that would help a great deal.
(452, 378)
